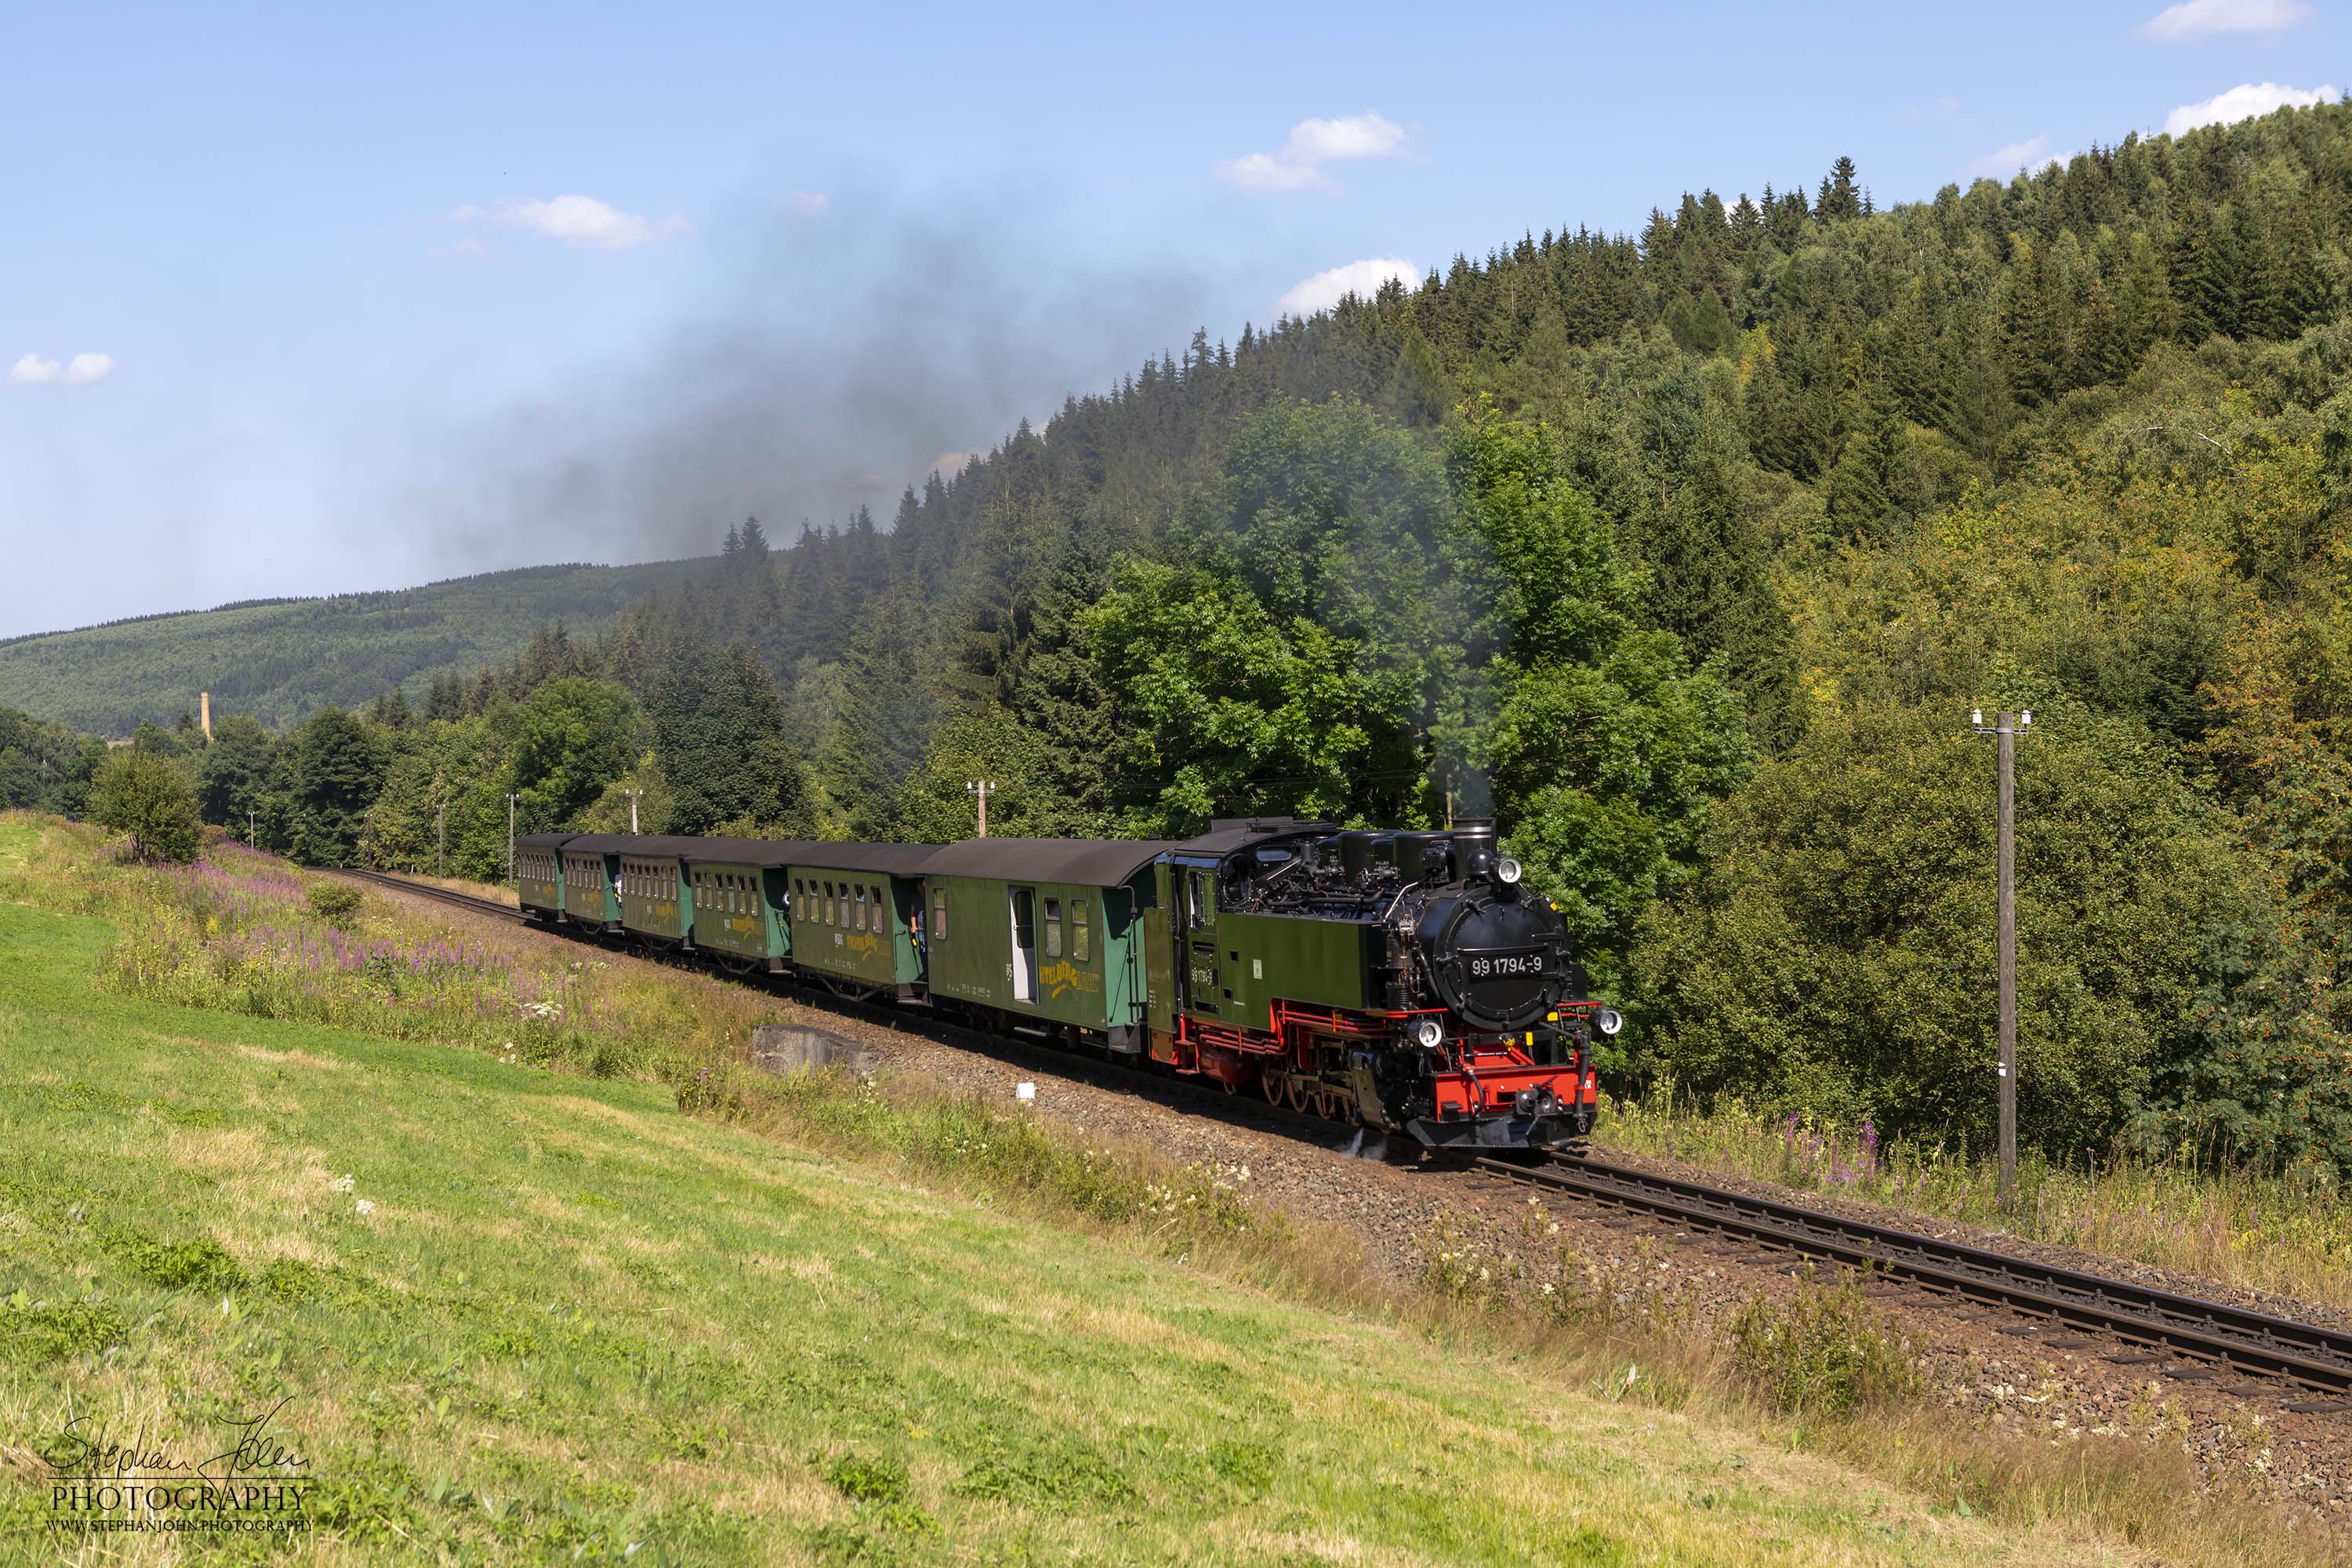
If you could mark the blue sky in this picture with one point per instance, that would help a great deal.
(294, 301)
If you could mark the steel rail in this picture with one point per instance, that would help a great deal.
(2237, 1337)
(426, 890)
(2160, 1320)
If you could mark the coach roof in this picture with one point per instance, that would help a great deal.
(766, 853)
(544, 840)
(1089, 862)
(885, 859)
(657, 846)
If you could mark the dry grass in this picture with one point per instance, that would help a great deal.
(2224, 1223)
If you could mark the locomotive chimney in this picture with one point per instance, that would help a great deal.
(1473, 846)
(205, 714)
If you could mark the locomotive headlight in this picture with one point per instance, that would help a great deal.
(1507, 869)
(1429, 1032)
(1609, 1019)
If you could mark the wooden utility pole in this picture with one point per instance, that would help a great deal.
(633, 809)
(2005, 729)
(981, 791)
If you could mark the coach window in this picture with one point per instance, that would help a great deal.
(828, 903)
(1079, 946)
(1053, 928)
(861, 909)
(939, 915)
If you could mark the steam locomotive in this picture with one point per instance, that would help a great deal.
(1404, 981)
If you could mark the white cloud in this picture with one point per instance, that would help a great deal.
(1298, 165)
(2194, 18)
(32, 370)
(947, 465)
(808, 204)
(1362, 279)
(469, 245)
(2032, 155)
(2244, 102)
(582, 221)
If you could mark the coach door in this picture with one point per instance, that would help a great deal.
(1024, 944)
(1199, 896)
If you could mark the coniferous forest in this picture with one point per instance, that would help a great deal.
(1685, 555)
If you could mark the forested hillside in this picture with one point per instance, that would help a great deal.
(284, 659)
(1687, 555)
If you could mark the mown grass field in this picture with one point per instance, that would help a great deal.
(576, 1326)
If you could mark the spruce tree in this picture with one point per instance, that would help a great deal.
(1841, 194)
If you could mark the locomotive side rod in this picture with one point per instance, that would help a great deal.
(2238, 1337)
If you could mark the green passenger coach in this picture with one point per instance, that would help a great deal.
(1048, 929)
(741, 892)
(592, 891)
(539, 873)
(656, 901)
(856, 914)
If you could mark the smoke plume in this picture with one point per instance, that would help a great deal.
(832, 352)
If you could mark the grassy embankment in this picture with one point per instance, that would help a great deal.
(571, 1321)
(2264, 1232)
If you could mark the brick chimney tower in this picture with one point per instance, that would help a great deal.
(205, 714)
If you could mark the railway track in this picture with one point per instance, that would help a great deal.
(2153, 1326)
(439, 895)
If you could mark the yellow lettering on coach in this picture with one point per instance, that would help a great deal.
(1064, 975)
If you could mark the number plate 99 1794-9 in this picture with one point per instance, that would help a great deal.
(1506, 966)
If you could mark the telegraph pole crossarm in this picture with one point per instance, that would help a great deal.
(2006, 728)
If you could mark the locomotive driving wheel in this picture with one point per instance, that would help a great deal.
(1271, 1083)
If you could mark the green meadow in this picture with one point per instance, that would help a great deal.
(548, 1318)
